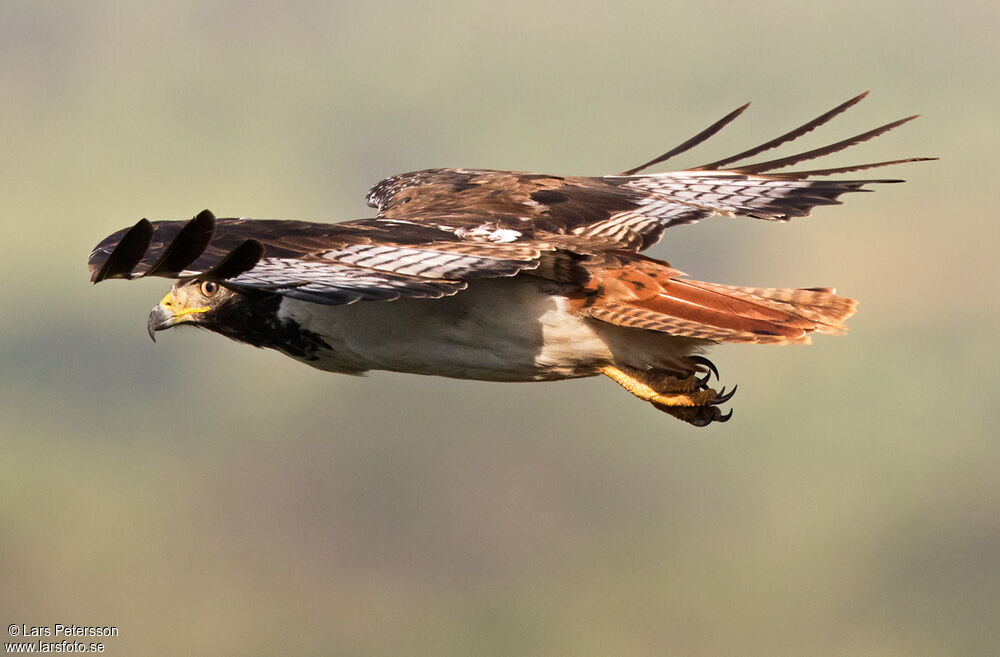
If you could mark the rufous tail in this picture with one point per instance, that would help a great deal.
(649, 294)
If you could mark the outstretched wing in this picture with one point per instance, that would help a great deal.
(369, 259)
(437, 229)
(625, 211)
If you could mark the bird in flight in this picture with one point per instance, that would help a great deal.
(504, 276)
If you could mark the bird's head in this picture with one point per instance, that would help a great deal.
(200, 303)
(248, 316)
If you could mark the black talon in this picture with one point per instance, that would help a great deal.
(725, 418)
(723, 397)
(701, 360)
(703, 382)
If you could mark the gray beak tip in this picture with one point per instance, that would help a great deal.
(159, 318)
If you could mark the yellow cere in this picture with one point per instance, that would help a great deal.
(168, 302)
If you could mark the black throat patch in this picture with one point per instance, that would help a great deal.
(253, 318)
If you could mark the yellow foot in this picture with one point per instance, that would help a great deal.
(688, 399)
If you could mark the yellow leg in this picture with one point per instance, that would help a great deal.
(682, 398)
(663, 382)
(659, 387)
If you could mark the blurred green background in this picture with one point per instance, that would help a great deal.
(212, 499)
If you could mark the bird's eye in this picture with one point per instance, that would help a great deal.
(208, 288)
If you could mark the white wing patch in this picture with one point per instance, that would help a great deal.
(488, 233)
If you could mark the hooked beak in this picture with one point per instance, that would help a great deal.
(166, 314)
(160, 318)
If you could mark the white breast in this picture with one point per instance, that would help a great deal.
(505, 329)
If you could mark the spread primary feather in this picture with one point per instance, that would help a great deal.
(505, 276)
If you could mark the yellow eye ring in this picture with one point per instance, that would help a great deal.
(208, 288)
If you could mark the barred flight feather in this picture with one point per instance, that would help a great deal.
(788, 136)
(493, 205)
(438, 260)
(571, 296)
(325, 263)
(292, 277)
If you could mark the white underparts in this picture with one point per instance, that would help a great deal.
(506, 329)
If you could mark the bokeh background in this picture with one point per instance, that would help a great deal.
(212, 499)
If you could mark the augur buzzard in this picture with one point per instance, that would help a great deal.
(503, 276)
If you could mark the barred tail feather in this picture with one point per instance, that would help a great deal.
(820, 305)
(650, 295)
